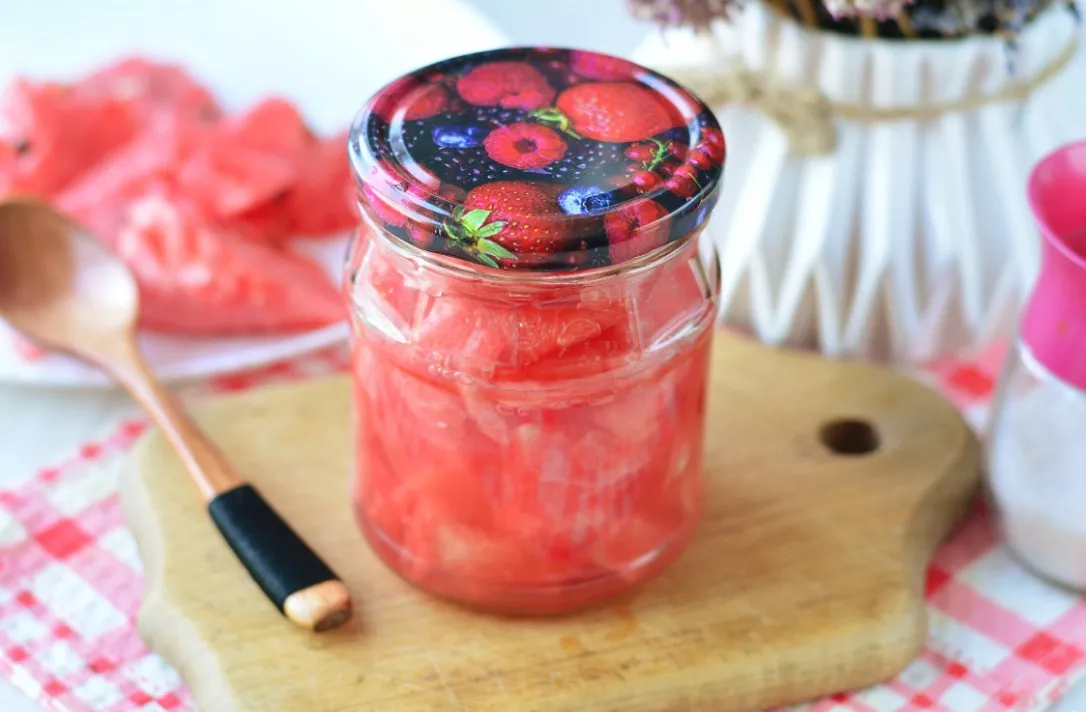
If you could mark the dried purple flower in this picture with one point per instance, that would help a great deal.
(946, 18)
(957, 18)
(878, 9)
(698, 14)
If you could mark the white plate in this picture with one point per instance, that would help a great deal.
(327, 56)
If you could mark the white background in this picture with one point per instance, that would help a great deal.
(38, 426)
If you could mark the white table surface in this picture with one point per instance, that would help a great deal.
(40, 425)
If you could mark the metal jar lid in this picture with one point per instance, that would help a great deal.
(537, 158)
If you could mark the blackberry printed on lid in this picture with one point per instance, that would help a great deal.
(537, 158)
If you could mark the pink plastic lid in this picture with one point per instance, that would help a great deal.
(1054, 322)
(537, 158)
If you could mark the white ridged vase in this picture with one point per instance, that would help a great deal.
(912, 240)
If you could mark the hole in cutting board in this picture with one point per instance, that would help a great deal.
(849, 436)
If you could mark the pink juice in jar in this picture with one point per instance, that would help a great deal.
(532, 317)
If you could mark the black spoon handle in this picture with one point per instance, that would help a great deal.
(297, 581)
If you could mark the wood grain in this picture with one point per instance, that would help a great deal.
(804, 579)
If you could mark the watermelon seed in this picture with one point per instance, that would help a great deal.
(22, 147)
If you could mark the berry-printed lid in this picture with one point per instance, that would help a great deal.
(537, 158)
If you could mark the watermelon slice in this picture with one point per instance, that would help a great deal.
(49, 135)
(228, 178)
(273, 126)
(152, 89)
(670, 302)
(198, 203)
(663, 523)
(382, 285)
(378, 491)
(604, 353)
(323, 200)
(101, 197)
(503, 339)
(481, 557)
(267, 224)
(247, 161)
(196, 278)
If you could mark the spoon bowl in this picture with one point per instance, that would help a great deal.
(59, 285)
(63, 289)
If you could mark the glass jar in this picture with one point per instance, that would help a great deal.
(1037, 434)
(532, 324)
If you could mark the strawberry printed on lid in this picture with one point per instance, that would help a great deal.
(537, 158)
(612, 111)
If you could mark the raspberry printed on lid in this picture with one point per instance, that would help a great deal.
(537, 158)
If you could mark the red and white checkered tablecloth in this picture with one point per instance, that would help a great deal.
(70, 587)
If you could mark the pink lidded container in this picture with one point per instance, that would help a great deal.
(1037, 437)
(532, 314)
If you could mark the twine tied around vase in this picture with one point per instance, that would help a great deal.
(806, 115)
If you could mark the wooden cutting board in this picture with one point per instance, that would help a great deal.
(830, 484)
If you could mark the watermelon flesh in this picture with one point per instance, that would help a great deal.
(201, 204)
(527, 455)
(50, 135)
(196, 278)
(154, 90)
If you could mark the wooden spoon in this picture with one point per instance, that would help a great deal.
(61, 288)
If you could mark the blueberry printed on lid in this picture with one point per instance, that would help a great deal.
(537, 158)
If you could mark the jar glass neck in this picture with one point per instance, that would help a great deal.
(527, 280)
